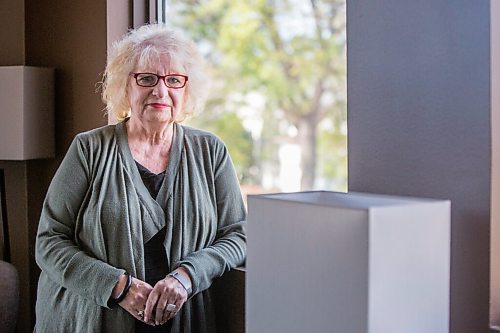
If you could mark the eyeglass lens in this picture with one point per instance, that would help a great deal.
(150, 80)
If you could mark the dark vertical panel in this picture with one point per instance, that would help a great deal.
(140, 12)
(419, 123)
(495, 165)
(15, 187)
(4, 220)
(229, 298)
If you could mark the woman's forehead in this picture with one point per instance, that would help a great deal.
(159, 62)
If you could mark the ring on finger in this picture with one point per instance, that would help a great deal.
(171, 307)
(140, 313)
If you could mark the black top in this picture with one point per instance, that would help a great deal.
(152, 180)
(155, 259)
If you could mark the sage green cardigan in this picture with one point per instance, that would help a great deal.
(98, 214)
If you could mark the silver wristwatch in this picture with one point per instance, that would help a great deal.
(182, 280)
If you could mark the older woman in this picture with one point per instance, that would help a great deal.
(141, 216)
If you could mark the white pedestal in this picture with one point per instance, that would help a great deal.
(347, 263)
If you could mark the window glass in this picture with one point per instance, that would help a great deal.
(278, 87)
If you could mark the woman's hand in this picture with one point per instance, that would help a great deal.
(166, 294)
(135, 301)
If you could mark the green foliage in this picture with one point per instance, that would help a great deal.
(229, 128)
(292, 53)
(333, 159)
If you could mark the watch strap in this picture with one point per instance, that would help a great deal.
(182, 280)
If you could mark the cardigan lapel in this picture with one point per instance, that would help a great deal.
(154, 218)
(173, 167)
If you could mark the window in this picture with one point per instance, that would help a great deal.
(278, 96)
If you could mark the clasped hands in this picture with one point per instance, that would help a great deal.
(154, 305)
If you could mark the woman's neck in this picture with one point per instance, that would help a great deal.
(150, 145)
(150, 133)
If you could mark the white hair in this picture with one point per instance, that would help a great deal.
(145, 46)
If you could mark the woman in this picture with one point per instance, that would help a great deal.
(141, 216)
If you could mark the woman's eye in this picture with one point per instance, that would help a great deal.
(147, 79)
(173, 80)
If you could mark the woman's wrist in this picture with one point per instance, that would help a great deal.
(182, 276)
(119, 286)
(121, 296)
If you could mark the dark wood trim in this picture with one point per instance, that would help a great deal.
(4, 220)
(229, 298)
(140, 12)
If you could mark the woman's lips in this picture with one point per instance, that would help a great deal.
(159, 105)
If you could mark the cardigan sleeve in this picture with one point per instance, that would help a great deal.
(229, 247)
(56, 248)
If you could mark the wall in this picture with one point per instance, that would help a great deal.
(419, 123)
(71, 37)
(12, 32)
(495, 172)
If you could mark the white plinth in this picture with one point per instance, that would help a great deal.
(347, 263)
(26, 112)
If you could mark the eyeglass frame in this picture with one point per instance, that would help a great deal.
(160, 77)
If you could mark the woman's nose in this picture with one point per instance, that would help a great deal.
(161, 89)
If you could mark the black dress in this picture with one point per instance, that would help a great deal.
(155, 258)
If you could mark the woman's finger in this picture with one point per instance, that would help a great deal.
(151, 305)
(173, 296)
(168, 292)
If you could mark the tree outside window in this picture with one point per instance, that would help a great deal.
(278, 88)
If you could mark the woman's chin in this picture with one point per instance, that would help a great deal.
(161, 114)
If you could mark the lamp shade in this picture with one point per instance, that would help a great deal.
(26, 112)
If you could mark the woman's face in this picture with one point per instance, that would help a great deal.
(158, 104)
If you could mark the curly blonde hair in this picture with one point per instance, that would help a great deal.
(145, 46)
